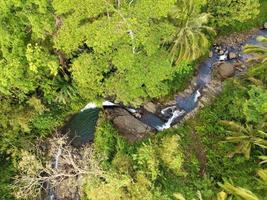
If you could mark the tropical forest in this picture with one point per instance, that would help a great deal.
(133, 99)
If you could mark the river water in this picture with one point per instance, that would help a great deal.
(81, 127)
(83, 124)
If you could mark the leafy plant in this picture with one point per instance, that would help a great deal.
(246, 136)
(190, 40)
(259, 51)
(238, 191)
(229, 12)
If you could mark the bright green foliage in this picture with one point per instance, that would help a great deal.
(170, 153)
(262, 173)
(14, 127)
(228, 12)
(245, 136)
(141, 188)
(117, 47)
(109, 187)
(122, 163)
(113, 186)
(259, 52)
(239, 192)
(107, 142)
(92, 22)
(255, 108)
(146, 159)
(189, 41)
(25, 62)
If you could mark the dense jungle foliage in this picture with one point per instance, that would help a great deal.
(55, 56)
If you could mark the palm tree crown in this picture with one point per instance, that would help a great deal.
(190, 40)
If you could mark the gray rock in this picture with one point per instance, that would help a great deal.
(221, 52)
(232, 55)
(210, 54)
(151, 107)
(137, 115)
(265, 25)
(226, 70)
(128, 126)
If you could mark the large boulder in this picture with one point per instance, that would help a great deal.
(226, 70)
(128, 126)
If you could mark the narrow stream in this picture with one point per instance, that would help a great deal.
(81, 127)
(169, 115)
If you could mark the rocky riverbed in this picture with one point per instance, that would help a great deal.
(224, 61)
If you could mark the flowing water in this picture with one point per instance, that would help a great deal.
(81, 127)
(83, 123)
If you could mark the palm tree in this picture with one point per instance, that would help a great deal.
(190, 40)
(240, 192)
(243, 193)
(245, 136)
(259, 52)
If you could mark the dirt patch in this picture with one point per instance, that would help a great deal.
(198, 149)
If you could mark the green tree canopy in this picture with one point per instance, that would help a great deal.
(25, 59)
(227, 12)
(116, 47)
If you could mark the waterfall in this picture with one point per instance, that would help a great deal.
(57, 158)
(197, 95)
(89, 106)
(175, 115)
(163, 111)
(108, 103)
(131, 110)
(50, 192)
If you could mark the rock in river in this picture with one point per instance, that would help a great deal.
(128, 126)
(226, 70)
(210, 54)
(151, 107)
(232, 55)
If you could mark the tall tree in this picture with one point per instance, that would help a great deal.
(25, 59)
(115, 47)
(190, 40)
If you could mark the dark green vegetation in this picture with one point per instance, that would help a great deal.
(57, 55)
(208, 158)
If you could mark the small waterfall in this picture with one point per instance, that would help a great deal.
(175, 115)
(89, 106)
(57, 158)
(163, 111)
(50, 195)
(197, 95)
(131, 110)
(224, 57)
(108, 103)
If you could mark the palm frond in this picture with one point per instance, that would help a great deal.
(238, 191)
(262, 173)
(234, 126)
(263, 158)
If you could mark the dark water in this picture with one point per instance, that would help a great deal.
(81, 126)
